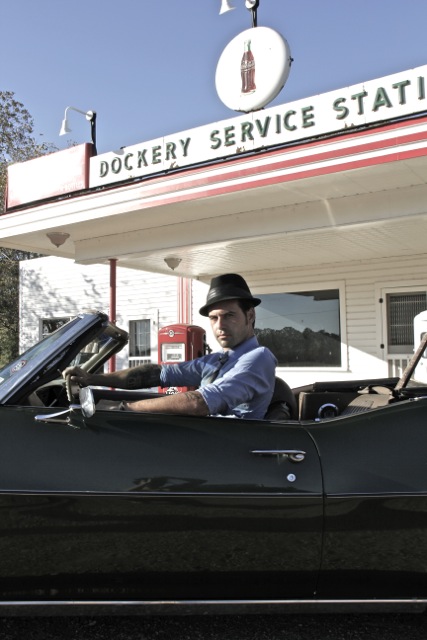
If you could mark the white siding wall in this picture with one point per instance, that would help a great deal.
(362, 334)
(58, 287)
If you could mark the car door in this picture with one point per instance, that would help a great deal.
(375, 475)
(126, 505)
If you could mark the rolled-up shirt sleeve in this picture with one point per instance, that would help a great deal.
(184, 374)
(246, 388)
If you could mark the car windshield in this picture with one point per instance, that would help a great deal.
(45, 345)
(87, 340)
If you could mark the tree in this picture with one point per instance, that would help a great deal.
(17, 144)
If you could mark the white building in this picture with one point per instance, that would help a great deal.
(53, 290)
(320, 204)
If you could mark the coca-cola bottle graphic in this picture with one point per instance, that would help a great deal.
(247, 68)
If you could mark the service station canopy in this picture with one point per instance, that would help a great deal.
(329, 179)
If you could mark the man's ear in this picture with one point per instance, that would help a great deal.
(251, 315)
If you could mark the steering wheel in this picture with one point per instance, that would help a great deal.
(69, 389)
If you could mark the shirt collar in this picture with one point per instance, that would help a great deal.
(245, 346)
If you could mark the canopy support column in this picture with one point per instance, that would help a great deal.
(113, 291)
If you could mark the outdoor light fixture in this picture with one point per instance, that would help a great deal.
(172, 262)
(225, 6)
(58, 237)
(251, 5)
(90, 115)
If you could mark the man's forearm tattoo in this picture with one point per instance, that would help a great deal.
(144, 376)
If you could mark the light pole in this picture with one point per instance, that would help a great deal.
(252, 5)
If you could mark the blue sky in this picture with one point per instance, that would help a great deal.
(147, 67)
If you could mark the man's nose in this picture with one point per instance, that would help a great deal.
(221, 322)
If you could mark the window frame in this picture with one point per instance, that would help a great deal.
(394, 349)
(312, 287)
(382, 293)
(135, 360)
(62, 319)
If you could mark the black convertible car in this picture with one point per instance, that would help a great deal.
(106, 511)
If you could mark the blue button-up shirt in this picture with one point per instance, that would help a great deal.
(244, 385)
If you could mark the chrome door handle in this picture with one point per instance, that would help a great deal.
(293, 455)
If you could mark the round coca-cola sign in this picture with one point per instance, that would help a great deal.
(253, 69)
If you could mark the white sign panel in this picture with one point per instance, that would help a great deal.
(375, 101)
(253, 69)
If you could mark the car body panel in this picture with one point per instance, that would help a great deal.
(159, 511)
(375, 476)
(180, 507)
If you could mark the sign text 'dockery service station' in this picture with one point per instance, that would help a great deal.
(387, 98)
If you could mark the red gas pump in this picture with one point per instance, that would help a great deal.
(179, 343)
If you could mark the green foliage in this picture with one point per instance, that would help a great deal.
(9, 305)
(16, 128)
(17, 144)
(307, 348)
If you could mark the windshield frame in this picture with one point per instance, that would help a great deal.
(45, 360)
(408, 374)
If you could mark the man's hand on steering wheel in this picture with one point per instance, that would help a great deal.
(77, 376)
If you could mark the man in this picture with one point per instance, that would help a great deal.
(237, 381)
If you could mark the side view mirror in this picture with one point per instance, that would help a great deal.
(87, 402)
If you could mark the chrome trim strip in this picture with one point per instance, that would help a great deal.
(179, 607)
(294, 455)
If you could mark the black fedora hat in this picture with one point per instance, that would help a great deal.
(229, 286)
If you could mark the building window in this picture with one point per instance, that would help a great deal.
(401, 311)
(139, 342)
(302, 328)
(49, 325)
